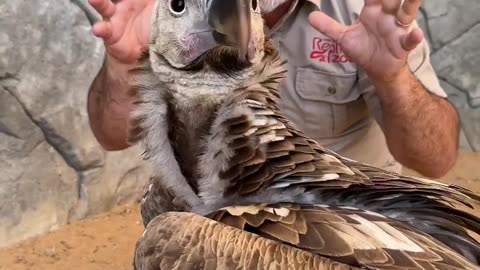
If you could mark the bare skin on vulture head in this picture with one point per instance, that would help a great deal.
(260, 193)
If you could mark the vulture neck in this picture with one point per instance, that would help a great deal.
(193, 103)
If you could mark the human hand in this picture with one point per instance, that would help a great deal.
(125, 27)
(381, 40)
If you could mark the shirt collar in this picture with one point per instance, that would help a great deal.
(294, 6)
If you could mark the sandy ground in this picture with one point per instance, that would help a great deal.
(101, 243)
(107, 241)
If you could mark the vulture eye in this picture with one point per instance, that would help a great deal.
(177, 7)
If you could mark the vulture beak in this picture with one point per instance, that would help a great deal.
(231, 22)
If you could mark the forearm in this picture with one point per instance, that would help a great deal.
(109, 105)
(421, 129)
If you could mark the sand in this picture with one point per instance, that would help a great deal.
(107, 241)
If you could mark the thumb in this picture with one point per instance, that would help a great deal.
(326, 25)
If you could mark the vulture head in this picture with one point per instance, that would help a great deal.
(225, 36)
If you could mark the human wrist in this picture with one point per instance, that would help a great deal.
(115, 67)
(394, 86)
(111, 84)
(399, 91)
(392, 78)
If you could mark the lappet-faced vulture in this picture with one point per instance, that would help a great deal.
(236, 186)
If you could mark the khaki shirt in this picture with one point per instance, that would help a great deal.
(330, 98)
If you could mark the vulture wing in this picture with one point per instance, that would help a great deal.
(352, 236)
(189, 241)
(256, 156)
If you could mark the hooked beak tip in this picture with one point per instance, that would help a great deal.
(231, 21)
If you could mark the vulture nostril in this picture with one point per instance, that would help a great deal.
(254, 4)
(219, 37)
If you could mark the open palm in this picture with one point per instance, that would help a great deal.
(125, 27)
(379, 41)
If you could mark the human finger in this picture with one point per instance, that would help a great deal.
(106, 8)
(326, 25)
(407, 13)
(102, 30)
(372, 2)
(391, 6)
(411, 40)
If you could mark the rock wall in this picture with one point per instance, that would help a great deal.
(52, 169)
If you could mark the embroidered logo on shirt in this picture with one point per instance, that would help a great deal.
(326, 50)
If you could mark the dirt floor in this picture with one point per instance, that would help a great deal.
(107, 241)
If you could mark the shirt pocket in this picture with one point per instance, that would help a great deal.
(331, 103)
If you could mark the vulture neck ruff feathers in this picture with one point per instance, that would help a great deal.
(193, 97)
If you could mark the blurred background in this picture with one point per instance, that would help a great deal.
(52, 170)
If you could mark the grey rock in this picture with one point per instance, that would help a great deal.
(38, 189)
(55, 58)
(19, 134)
(121, 180)
(53, 169)
(448, 19)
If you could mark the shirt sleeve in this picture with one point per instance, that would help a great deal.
(421, 67)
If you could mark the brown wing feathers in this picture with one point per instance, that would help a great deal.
(188, 241)
(270, 153)
(347, 235)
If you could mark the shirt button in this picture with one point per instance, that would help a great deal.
(332, 90)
